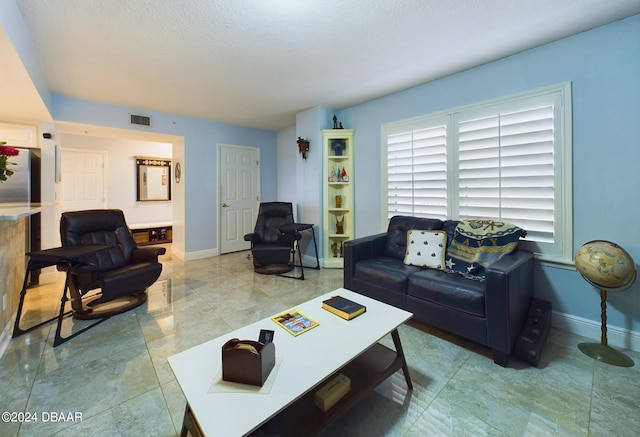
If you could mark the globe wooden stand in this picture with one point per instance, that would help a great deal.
(602, 351)
(606, 266)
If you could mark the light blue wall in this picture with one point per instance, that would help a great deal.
(309, 172)
(306, 191)
(200, 166)
(603, 66)
(287, 171)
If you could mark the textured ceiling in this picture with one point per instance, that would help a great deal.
(259, 62)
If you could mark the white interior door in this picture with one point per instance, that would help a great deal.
(239, 180)
(82, 184)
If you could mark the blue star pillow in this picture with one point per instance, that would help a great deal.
(426, 248)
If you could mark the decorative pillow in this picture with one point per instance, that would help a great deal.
(476, 244)
(426, 248)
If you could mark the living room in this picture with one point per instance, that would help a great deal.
(602, 65)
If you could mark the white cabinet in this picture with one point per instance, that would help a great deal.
(18, 135)
(338, 201)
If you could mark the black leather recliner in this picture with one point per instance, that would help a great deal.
(122, 271)
(271, 249)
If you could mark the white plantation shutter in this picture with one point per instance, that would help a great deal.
(400, 174)
(508, 160)
(417, 170)
(506, 164)
(430, 172)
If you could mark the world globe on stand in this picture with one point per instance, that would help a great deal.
(605, 265)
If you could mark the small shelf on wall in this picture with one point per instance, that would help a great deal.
(146, 236)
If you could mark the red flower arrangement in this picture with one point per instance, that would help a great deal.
(5, 153)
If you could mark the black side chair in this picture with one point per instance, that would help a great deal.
(272, 250)
(121, 270)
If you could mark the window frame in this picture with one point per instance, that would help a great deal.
(560, 252)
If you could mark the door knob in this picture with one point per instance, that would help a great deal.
(224, 205)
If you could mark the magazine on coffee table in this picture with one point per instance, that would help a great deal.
(294, 322)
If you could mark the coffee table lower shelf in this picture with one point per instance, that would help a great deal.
(366, 372)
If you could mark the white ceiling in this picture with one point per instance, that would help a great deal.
(259, 62)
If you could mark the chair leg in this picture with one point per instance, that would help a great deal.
(296, 248)
(17, 331)
(58, 338)
(315, 245)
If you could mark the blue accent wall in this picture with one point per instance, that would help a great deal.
(603, 66)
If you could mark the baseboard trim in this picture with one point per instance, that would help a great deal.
(616, 336)
(309, 261)
(6, 335)
(190, 256)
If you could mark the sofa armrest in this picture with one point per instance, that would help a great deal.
(356, 250)
(508, 293)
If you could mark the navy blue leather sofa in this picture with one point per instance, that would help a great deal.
(490, 312)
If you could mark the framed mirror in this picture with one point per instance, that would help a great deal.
(153, 177)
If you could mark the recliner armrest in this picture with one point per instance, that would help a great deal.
(508, 293)
(146, 254)
(253, 237)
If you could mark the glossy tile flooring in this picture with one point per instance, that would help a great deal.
(114, 380)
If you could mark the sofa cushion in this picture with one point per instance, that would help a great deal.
(396, 244)
(477, 244)
(386, 272)
(426, 248)
(448, 289)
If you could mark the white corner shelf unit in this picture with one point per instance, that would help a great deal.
(338, 200)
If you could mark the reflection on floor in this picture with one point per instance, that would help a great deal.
(116, 379)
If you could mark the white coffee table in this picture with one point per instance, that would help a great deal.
(303, 363)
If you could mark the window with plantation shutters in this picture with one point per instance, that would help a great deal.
(507, 160)
(417, 170)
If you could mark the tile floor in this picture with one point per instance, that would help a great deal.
(116, 378)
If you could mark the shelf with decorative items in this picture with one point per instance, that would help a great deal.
(338, 212)
(144, 236)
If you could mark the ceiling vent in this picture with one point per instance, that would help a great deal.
(140, 120)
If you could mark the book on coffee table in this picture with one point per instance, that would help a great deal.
(294, 322)
(343, 307)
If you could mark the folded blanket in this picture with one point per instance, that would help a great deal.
(476, 244)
